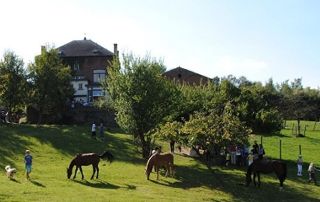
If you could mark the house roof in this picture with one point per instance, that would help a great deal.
(83, 47)
(184, 75)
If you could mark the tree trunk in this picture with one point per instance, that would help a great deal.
(145, 147)
(299, 128)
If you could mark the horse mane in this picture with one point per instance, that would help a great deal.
(73, 162)
(107, 154)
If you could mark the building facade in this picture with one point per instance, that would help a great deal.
(182, 75)
(89, 62)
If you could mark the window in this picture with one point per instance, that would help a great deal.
(76, 66)
(99, 75)
(80, 87)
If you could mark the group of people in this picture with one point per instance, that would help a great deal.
(94, 129)
(242, 156)
(311, 170)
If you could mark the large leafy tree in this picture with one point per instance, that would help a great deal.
(13, 82)
(51, 81)
(141, 96)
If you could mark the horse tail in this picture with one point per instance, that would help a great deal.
(149, 165)
(107, 154)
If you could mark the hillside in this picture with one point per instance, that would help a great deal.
(53, 147)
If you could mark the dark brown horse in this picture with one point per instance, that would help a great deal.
(85, 160)
(157, 161)
(266, 166)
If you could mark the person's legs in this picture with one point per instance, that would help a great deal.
(299, 170)
(28, 171)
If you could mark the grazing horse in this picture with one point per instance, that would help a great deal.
(157, 161)
(86, 159)
(266, 166)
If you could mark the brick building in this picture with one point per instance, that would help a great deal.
(186, 76)
(88, 62)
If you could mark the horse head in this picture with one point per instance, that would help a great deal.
(69, 173)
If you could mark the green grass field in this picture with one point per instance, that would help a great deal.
(53, 147)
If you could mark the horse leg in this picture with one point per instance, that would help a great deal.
(97, 171)
(157, 169)
(75, 172)
(258, 174)
(167, 170)
(80, 168)
(254, 179)
(94, 170)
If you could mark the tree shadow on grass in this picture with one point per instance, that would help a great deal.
(69, 140)
(97, 184)
(188, 177)
(11, 144)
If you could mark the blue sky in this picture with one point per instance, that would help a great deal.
(275, 39)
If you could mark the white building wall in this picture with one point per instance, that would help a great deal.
(81, 90)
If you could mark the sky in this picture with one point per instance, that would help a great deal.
(278, 39)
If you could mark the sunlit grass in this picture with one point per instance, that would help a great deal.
(53, 147)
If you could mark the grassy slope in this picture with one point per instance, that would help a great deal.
(53, 147)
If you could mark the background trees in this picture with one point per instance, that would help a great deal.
(51, 84)
(13, 83)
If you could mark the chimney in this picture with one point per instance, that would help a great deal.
(115, 50)
(43, 49)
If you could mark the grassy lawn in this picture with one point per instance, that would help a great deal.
(53, 147)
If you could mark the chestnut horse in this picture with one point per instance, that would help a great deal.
(266, 166)
(160, 160)
(86, 159)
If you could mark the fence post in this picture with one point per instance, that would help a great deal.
(305, 129)
(261, 140)
(280, 148)
(299, 149)
(292, 129)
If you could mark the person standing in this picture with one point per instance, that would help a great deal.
(172, 142)
(250, 158)
(299, 165)
(261, 151)
(28, 163)
(312, 173)
(93, 130)
(101, 130)
(255, 148)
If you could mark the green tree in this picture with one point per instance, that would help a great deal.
(51, 81)
(13, 82)
(170, 131)
(215, 129)
(141, 96)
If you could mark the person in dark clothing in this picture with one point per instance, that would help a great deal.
(172, 142)
(255, 148)
(261, 152)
